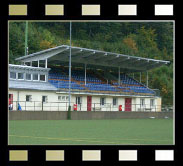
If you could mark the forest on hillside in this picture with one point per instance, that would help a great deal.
(144, 39)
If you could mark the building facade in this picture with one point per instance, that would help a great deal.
(30, 90)
(42, 81)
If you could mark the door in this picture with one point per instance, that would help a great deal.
(79, 102)
(128, 104)
(10, 101)
(89, 103)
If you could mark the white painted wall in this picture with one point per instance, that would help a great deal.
(53, 104)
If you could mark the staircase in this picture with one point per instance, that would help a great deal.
(79, 83)
(116, 86)
(97, 75)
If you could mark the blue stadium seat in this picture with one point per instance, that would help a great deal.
(60, 79)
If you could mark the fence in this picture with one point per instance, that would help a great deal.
(63, 106)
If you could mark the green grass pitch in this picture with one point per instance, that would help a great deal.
(91, 132)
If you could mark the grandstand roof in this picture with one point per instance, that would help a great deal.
(93, 58)
(46, 86)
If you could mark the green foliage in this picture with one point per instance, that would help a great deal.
(144, 39)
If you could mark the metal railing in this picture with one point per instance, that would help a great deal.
(63, 106)
(157, 92)
(167, 108)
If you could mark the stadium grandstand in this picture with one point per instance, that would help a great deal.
(100, 81)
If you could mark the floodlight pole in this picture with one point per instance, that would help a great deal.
(85, 73)
(69, 108)
(147, 79)
(26, 38)
(119, 76)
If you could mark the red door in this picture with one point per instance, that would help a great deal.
(10, 101)
(89, 103)
(128, 104)
(10, 98)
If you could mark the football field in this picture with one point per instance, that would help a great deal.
(91, 132)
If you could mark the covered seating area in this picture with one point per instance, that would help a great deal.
(85, 64)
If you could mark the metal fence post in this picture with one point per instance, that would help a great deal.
(16, 106)
(42, 105)
(34, 105)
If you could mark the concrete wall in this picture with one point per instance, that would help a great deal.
(84, 115)
(159, 102)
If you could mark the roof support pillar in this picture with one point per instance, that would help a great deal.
(147, 81)
(31, 63)
(119, 80)
(85, 73)
(38, 63)
(140, 77)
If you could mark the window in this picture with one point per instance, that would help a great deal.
(13, 75)
(102, 101)
(78, 100)
(63, 98)
(67, 98)
(35, 77)
(59, 98)
(42, 63)
(142, 102)
(28, 97)
(44, 99)
(114, 101)
(20, 76)
(42, 78)
(35, 63)
(152, 102)
(28, 76)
